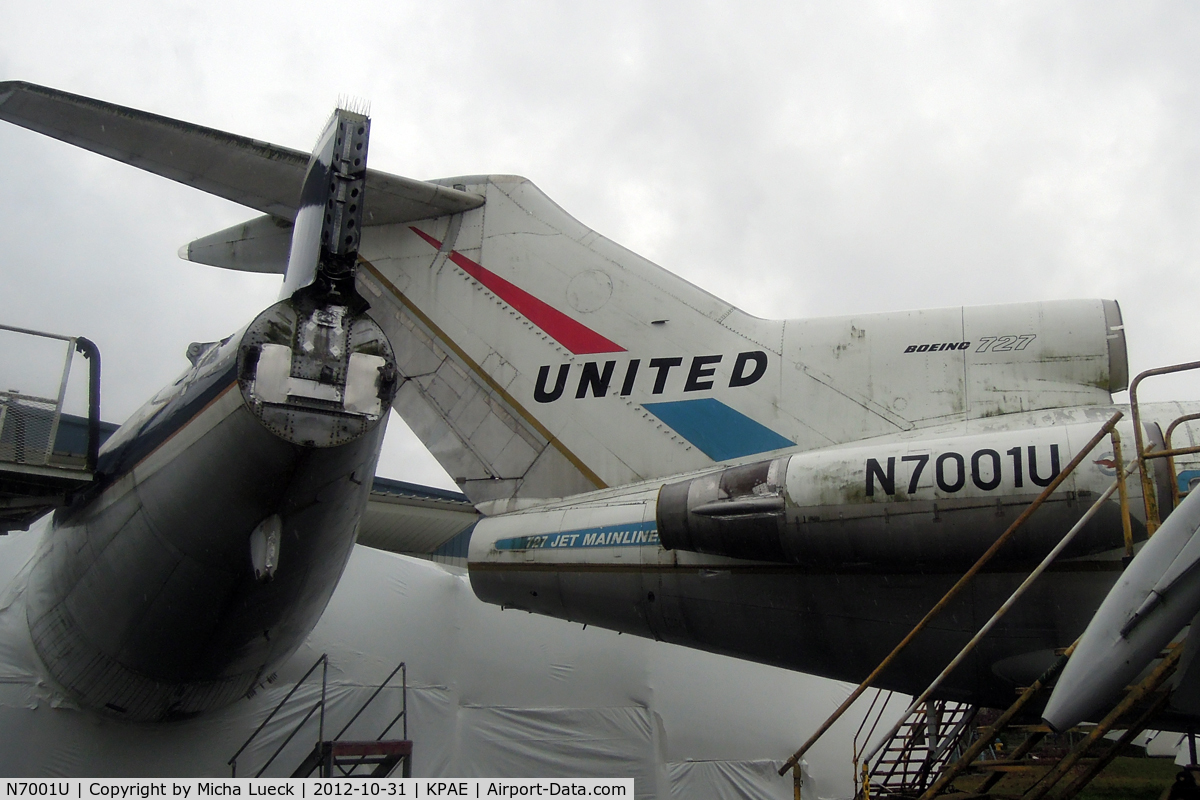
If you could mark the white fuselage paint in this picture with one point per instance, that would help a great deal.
(872, 534)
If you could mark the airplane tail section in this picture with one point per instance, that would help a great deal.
(541, 359)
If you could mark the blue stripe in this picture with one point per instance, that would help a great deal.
(716, 429)
(165, 423)
(632, 534)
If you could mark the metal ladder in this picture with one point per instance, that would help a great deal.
(922, 746)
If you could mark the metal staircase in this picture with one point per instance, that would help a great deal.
(336, 757)
(1081, 763)
(932, 744)
(910, 761)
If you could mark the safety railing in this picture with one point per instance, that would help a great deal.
(347, 765)
(322, 662)
(1106, 430)
(1144, 455)
(29, 422)
(858, 745)
(402, 668)
(1177, 492)
(320, 706)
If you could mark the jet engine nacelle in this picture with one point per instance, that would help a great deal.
(908, 503)
(898, 503)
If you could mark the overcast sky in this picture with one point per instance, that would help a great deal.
(796, 159)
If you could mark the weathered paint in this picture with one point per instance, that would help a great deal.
(842, 566)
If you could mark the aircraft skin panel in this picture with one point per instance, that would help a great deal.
(448, 397)
(257, 174)
(826, 623)
(1062, 359)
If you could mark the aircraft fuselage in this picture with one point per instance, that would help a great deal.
(822, 561)
(225, 512)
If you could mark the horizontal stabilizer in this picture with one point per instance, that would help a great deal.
(260, 245)
(414, 520)
(257, 174)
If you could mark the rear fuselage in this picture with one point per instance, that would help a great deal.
(220, 524)
(822, 561)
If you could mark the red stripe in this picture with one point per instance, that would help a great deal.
(574, 336)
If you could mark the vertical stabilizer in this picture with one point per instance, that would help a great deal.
(542, 359)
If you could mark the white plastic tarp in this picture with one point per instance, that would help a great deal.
(491, 693)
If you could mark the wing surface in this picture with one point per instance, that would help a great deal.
(257, 174)
(413, 520)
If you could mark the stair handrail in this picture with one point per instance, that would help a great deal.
(1175, 495)
(871, 733)
(1105, 430)
(403, 669)
(1153, 518)
(1123, 471)
(322, 661)
(403, 704)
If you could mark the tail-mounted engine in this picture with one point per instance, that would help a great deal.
(738, 512)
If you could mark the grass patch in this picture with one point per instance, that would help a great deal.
(1124, 779)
